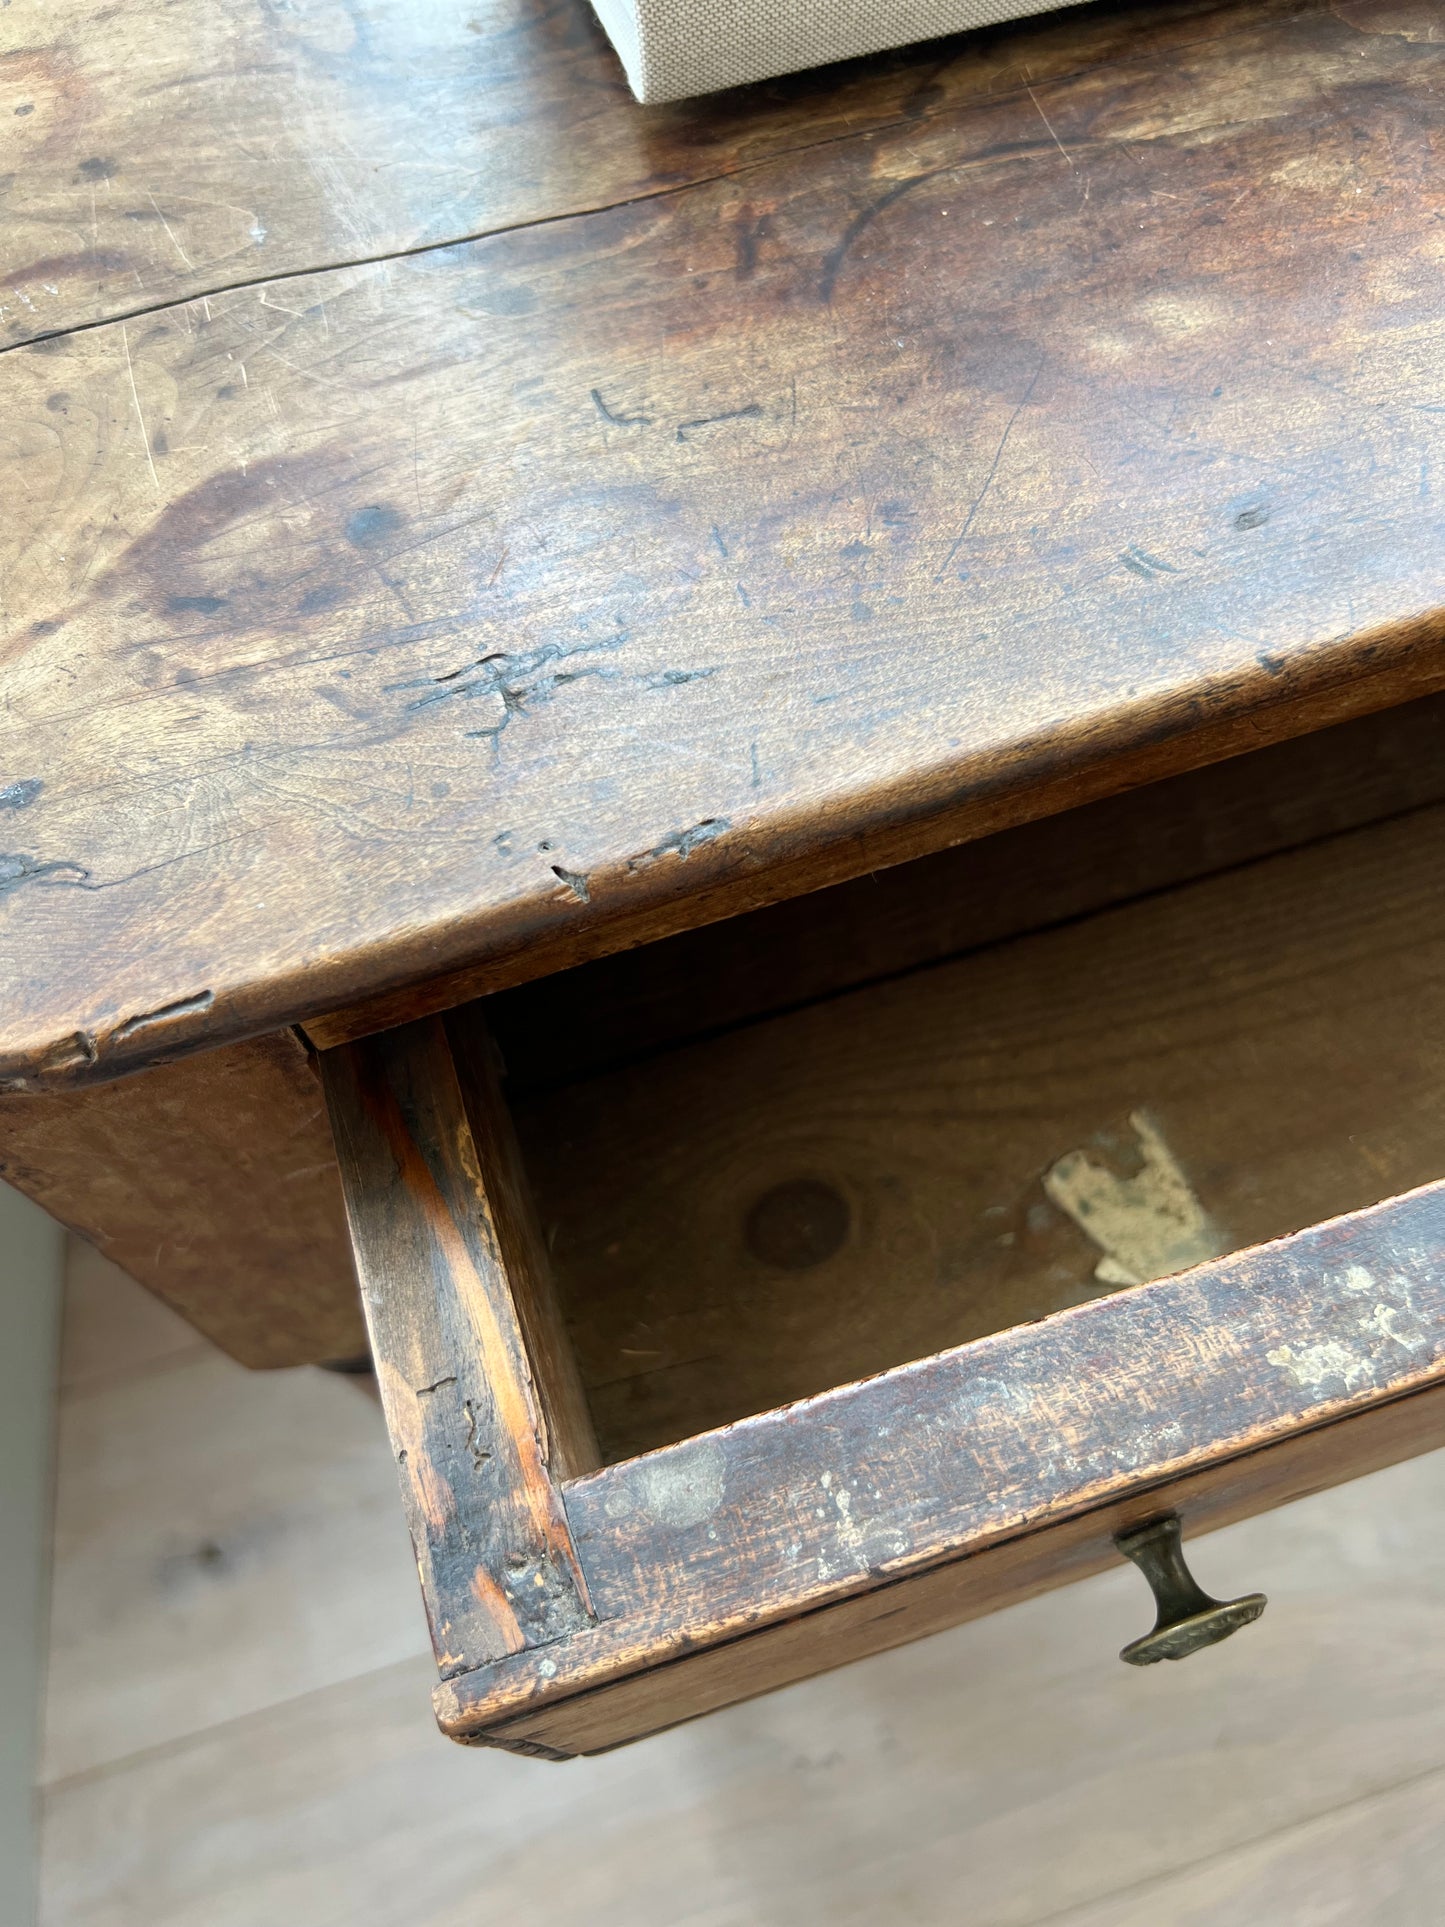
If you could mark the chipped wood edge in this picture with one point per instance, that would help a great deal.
(691, 1685)
(694, 1546)
(750, 866)
(698, 879)
(495, 1554)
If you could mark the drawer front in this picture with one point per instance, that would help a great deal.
(576, 1605)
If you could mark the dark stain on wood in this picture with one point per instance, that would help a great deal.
(441, 1271)
(980, 511)
(1043, 1439)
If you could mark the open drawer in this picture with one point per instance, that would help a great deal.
(787, 1290)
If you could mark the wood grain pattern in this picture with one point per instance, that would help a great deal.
(798, 1509)
(1279, 1029)
(173, 149)
(198, 1507)
(467, 1421)
(571, 1440)
(564, 1028)
(478, 612)
(213, 1182)
(934, 1770)
(167, 1167)
(893, 1615)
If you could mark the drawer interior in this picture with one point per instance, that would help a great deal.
(809, 1144)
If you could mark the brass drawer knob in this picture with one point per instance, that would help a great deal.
(1187, 1617)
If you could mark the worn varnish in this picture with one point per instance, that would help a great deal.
(761, 493)
(1225, 1387)
(1245, 1349)
(445, 620)
(446, 1273)
(161, 155)
(165, 1169)
(889, 1615)
(796, 1203)
(1192, 1379)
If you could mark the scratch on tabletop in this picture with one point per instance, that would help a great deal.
(978, 500)
(1050, 125)
(306, 374)
(170, 231)
(135, 397)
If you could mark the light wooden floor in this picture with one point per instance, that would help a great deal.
(238, 1730)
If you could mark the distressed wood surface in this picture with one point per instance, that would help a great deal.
(213, 1182)
(444, 620)
(441, 1273)
(173, 148)
(601, 1015)
(793, 1204)
(894, 1614)
(1109, 1403)
(944, 1759)
(571, 1440)
(213, 1179)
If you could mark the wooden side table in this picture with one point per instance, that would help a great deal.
(818, 709)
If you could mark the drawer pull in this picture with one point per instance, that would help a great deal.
(1188, 1618)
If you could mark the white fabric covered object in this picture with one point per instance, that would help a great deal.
(674, 48)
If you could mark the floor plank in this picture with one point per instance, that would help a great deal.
(224, 1540)
(174, 148)
(227, 1752)
(1380, 1860)
(881, 1793)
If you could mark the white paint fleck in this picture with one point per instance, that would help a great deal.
(850, 1534)
(1148, 1226)
(682, 1489)
(1316, 1367)
(1384, 1319)
(547, 1668)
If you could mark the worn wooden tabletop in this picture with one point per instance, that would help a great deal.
(458, 521)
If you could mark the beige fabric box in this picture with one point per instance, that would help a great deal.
(673, 48)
